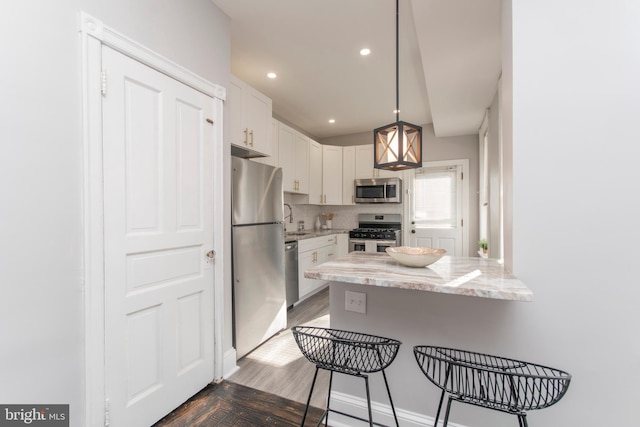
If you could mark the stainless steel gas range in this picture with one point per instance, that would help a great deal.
(376, 232)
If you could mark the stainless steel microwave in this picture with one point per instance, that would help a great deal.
(378, 190)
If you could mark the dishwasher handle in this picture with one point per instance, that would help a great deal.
(290, 246)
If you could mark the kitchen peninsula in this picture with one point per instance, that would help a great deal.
(459, 302)
(469, 276)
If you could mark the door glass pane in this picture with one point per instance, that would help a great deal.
(435, 198)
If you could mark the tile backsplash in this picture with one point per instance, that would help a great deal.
(345, 217)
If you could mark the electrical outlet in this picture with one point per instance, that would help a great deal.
(355, 301)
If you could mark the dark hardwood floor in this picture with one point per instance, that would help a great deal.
(233, 405)
(271, 387)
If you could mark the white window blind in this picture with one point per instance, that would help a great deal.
(436, 198)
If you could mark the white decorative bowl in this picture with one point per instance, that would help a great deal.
(415, 257)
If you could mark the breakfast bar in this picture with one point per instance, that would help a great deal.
(471, 276)
(458, 302)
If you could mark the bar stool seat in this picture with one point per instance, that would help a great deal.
(492, 382)
(346, 352)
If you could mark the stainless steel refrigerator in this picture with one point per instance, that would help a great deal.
(260, 306)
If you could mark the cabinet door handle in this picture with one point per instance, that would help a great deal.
(325, 198)
(246, 136)
(251, 133)
(321, 198)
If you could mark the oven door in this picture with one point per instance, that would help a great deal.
(370, 245)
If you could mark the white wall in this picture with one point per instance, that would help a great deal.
(576, 101)
(41, 306)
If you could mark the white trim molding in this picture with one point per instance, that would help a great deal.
(229, 365)
(93, 36)
(381, 413)
(94, 28)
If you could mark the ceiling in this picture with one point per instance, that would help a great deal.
(450, 61)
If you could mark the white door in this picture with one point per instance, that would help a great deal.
(437, 207)
(158, 229)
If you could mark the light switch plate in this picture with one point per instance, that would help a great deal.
(355, 301)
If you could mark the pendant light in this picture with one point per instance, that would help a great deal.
(397, 146)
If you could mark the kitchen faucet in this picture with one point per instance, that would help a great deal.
(290, 213)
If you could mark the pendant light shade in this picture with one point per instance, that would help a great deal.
(397, 146)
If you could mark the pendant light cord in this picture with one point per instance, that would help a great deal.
(397, 61)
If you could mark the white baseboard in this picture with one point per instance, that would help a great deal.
(229, 366)
(381, 413)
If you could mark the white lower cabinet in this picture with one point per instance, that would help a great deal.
(313, 252)
(342, 242)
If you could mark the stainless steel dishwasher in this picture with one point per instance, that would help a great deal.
(291, 271)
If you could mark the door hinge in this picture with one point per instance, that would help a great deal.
(462, 223)
(103, 82)
(107, 412)
(461, 176)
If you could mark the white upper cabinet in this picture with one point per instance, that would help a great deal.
(293, 158)
(331, 175)
(273, 159)
(315, 173)
(302, 162)
(364, 164)
(325, 174)
(348, 174)
(364, 161)
(250, 119)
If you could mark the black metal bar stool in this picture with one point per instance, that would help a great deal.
(492, 382)
(346, 352)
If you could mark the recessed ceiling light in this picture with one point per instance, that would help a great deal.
(332, 120)
(272, 75)
(365, 51)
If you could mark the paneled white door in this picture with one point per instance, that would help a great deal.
(158, 232)
(437, 206)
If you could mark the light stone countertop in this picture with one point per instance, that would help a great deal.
(291, 236)
(470, 276)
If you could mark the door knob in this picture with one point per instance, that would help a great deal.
(413, 231)
(211, 254)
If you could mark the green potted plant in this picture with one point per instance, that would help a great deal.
(482, 244)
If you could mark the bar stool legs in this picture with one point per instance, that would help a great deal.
(493, 382)
(349, 353)
(523, 420)
(306, 409)
(325, 415)
(393, 408)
